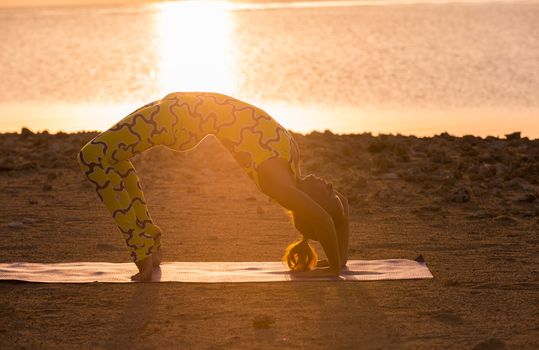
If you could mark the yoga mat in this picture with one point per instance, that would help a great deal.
(208, 272)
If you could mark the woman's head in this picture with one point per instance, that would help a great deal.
(299, 255)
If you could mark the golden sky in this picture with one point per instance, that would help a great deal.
(12, 3)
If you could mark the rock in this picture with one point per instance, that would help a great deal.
(15, 225)
(439, 156)
(479, 215)
(5, 165)
(56, 147)
(487, 170)
(383, 195)
(446, 136)
(28, 221)
(389, 176)
(527, 198)
(47, 187)
(259, 210)
(490, 344)
(457, 174)
(429, 209)
(359, 182)
(461, 195)
(25, 132)
(447, 317)
(505, 220)
(471, 139)
(501, 169)
(519, 184)
(26, 166)
(448, 182)
(525, 214)
(263, 322)
(513, 136)
(377, 145)
(382, 164)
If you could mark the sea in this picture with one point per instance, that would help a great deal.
(385, 67)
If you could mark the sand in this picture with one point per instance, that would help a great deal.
(468, 205)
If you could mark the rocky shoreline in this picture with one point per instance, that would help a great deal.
(498, 176)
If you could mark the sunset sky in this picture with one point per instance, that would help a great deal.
(346, 65)
(13, 3)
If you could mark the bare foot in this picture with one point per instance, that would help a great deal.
(156, 258)
(322, 263)
(145, 268)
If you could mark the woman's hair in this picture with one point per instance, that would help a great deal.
(300, 256)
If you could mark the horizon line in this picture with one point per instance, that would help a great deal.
(239, 5)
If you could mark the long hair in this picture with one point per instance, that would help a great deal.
(300, 256)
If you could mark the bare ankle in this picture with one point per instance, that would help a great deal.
(156, 257)
(145, 268)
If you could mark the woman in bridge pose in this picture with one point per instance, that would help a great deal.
(261, 146)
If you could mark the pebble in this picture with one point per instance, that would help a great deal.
(461, 195)
(28, 221)
(15, 225)
(501, 169)
(5, 165)
(490, 344)
(389, 176)
(383, 195)
(480, 214)
(359, 183)
(505, 219)
(487, 170)
(527, 198)
(429, 208)
(263, 322)
(517, 184)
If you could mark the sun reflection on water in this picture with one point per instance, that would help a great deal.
(196, 47)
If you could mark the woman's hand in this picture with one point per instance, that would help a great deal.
(343, 230)
(322, 263)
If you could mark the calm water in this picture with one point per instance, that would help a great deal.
(346, 66)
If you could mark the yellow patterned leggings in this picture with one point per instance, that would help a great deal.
(178, 121)
(105, 162)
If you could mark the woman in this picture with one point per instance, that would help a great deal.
(262, 147)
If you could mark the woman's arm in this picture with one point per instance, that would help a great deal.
(343, 230)
(322, 223)
(275, 181)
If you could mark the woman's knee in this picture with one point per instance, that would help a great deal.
(92, 154)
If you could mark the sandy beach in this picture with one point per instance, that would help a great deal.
(468, 205)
